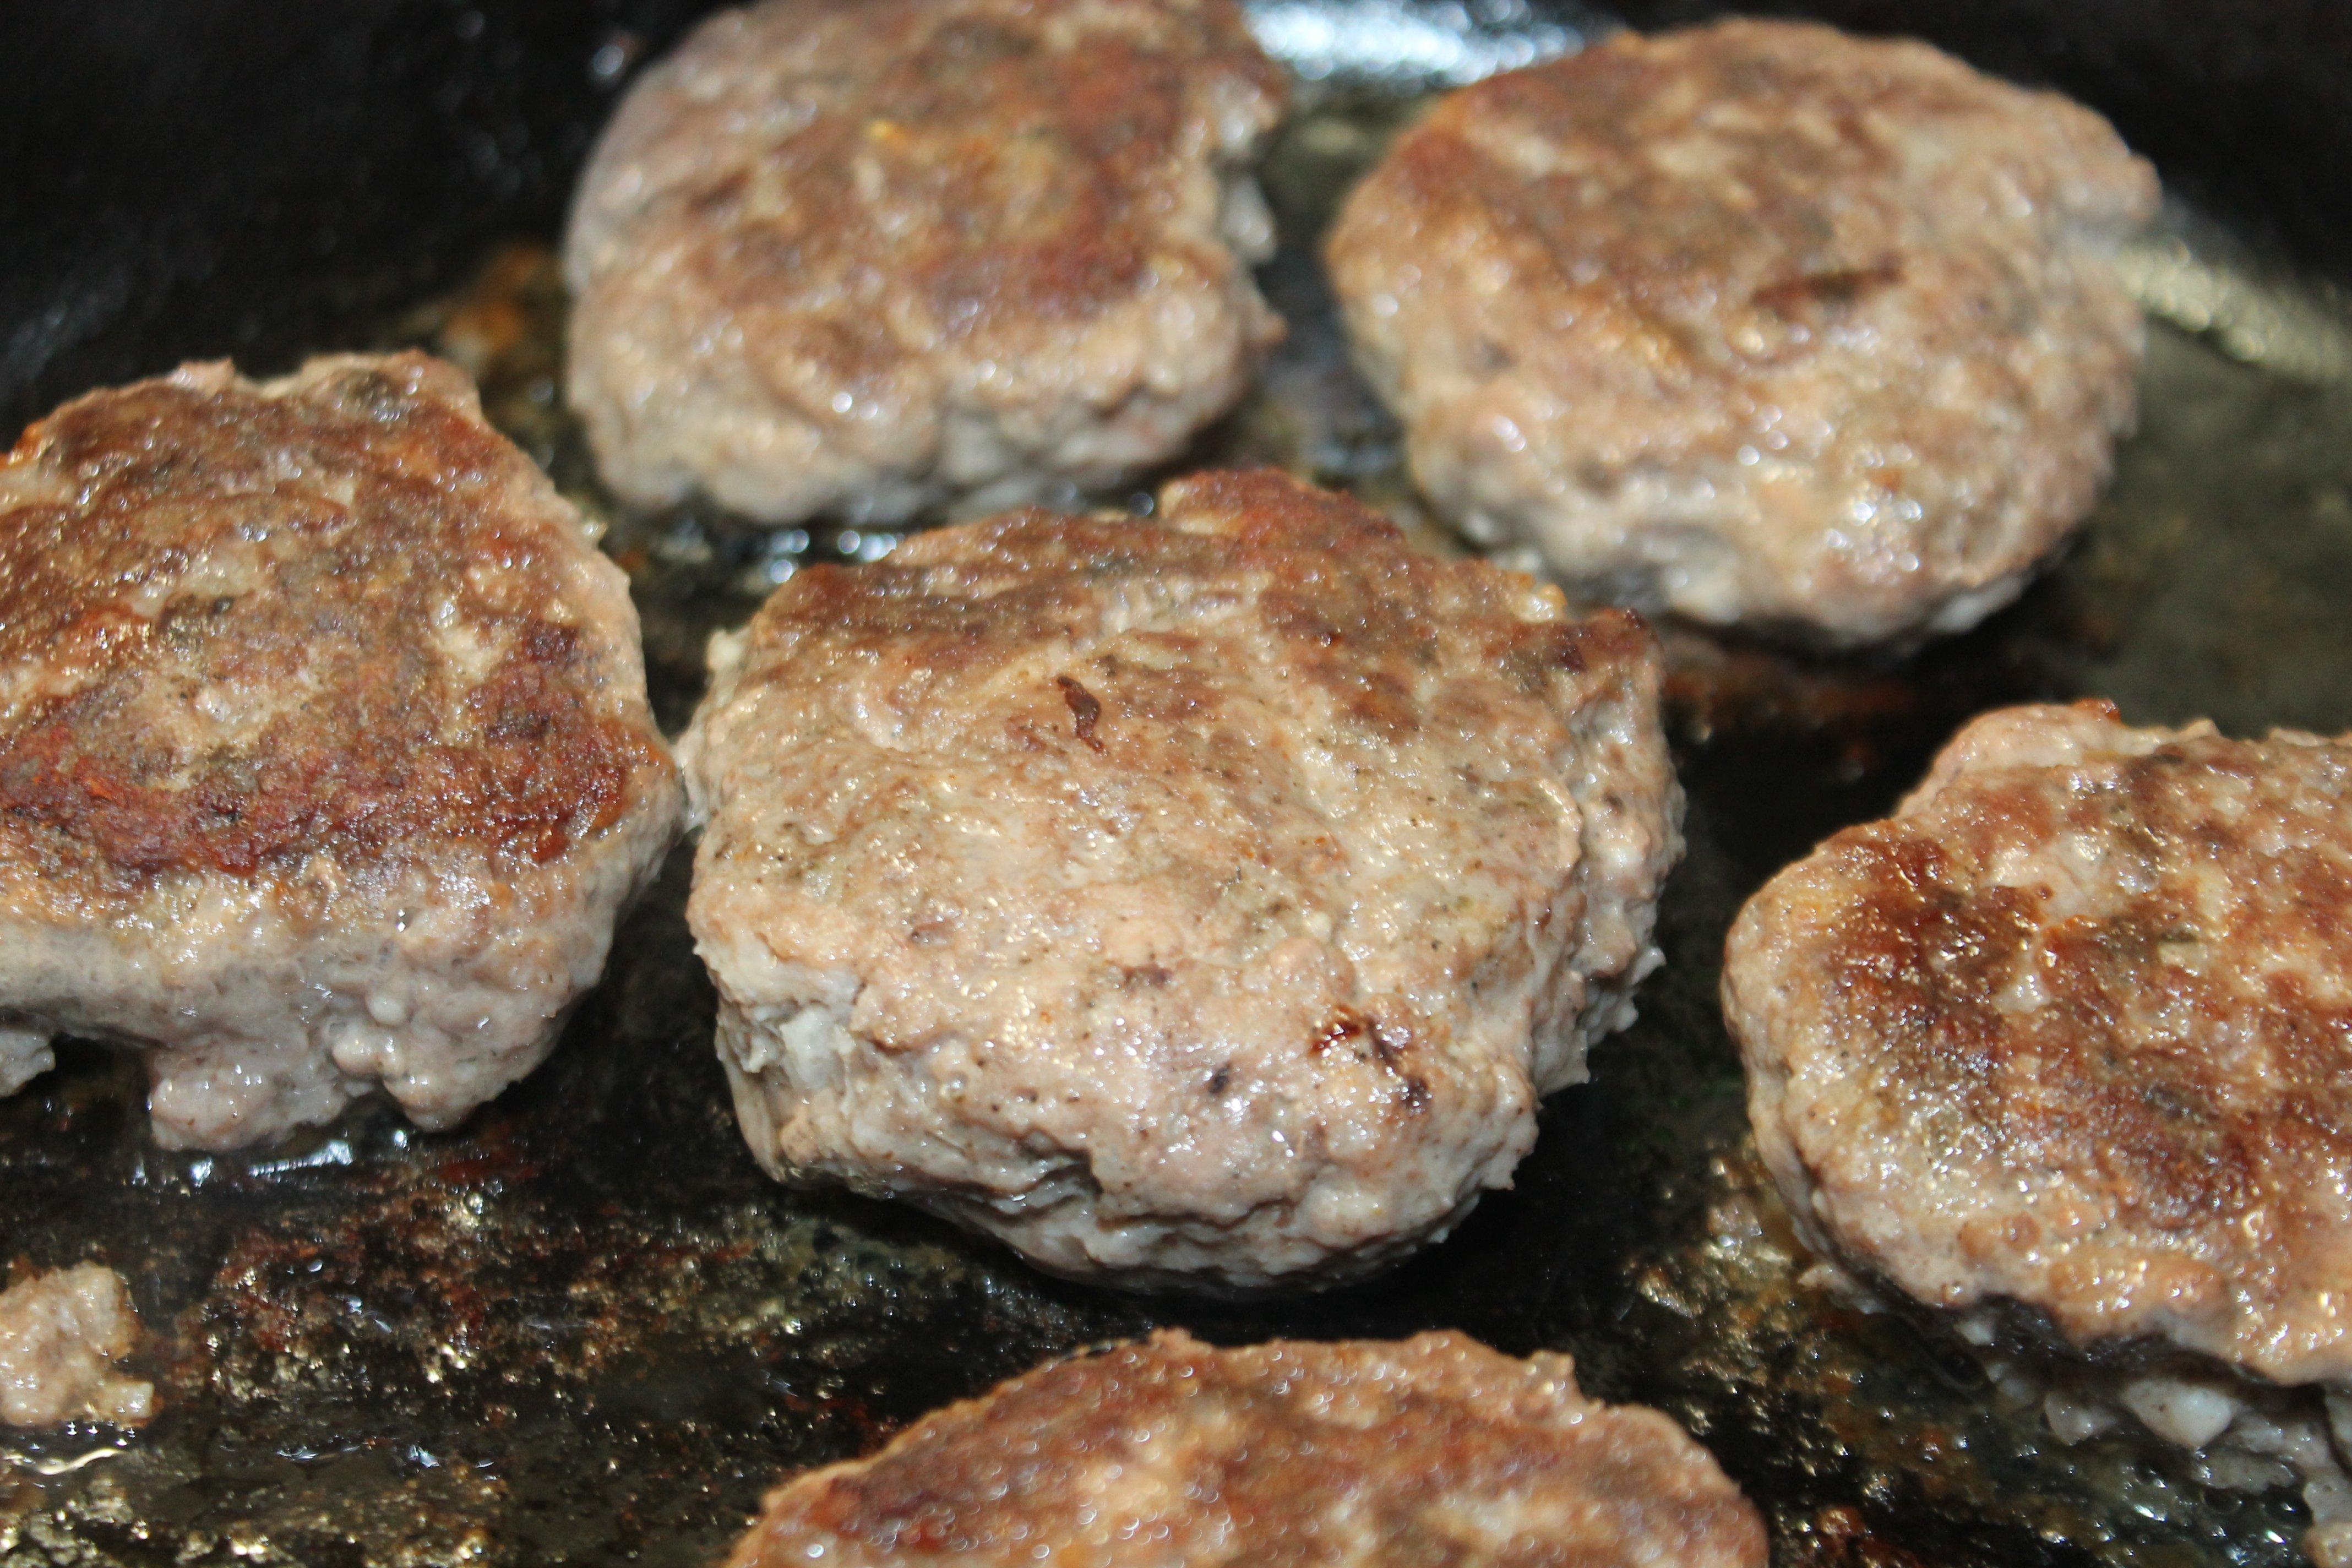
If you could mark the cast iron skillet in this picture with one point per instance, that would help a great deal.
(583, 1328)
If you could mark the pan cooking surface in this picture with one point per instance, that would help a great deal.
(584, 1329)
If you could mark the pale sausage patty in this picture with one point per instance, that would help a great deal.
(1757, 322)
(1205, 898)
(865, 258)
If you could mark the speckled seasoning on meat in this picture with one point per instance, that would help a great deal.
(1206, 900)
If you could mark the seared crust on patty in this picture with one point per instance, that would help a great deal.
(1757, 322)
(1202, 899)
(868, 258)
(1434, 1450)
(2073, 1028)
(213, 664)
(287, 669)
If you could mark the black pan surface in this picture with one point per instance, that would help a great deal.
(584, 1330)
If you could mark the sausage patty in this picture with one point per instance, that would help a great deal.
(866, 256)
(1757, 322)
(2073, 1029)
(1207, 899)
(325, 760)
(1168, 1453)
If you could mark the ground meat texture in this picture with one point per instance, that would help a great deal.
(325, 760)
(1170, 1454)
(1204, 900)
(867, 256)
(1757, 322)
(60, 1335)
(2073, 1029)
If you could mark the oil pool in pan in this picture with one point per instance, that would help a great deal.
(585, 1329)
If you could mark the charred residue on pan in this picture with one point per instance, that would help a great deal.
(584, 1329)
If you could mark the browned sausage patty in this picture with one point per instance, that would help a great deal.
(864, 256)
(1757, 322)
(1435, 1451)
(324, 753)
(2073, 1028)
(1202, 899)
